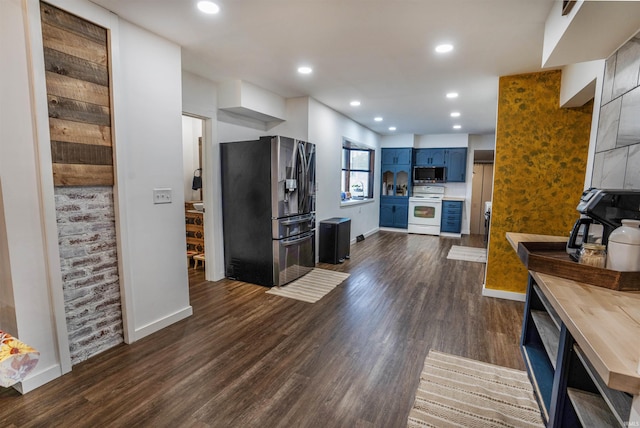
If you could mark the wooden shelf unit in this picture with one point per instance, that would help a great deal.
(194, 221)
(562, 316)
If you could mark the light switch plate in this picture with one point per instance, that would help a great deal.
(161, 196)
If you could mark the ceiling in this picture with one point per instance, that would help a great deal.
(380, 52)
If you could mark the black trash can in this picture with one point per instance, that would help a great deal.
(335, 240)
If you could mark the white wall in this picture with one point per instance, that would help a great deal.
(147, 122)
(149, 155)
(442, 140)
(401, 140)
(191, 131)
(199, 97)
(327, 128)
(25, 278)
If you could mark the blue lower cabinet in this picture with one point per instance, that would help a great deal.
(394, 213)
(451, 217)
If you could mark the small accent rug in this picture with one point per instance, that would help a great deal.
(311, 287)
(469, 254)
(459, 392)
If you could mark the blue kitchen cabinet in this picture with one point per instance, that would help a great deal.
(456, 163)
(451, 221)
(395, 180)
(395, 187)
(429, 157)
(397, 156)
(394, 212)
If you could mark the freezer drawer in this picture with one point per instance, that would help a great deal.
(295, 225)
(293, 257)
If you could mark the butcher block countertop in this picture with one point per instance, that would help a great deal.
(604, 323)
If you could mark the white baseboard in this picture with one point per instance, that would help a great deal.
(500, 294)
(393, 229)
(366, 235)
(34, 381)
(162, 323)
(450, 235)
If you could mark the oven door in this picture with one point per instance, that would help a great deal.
(425, 212)
(424, 216)
(293, 257)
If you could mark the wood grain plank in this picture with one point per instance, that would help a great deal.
(64, 152)
(78, 90)
(73, 44)
(53, 16)
(82, 175)
(77, 111)
(77, 132)
(78, 68)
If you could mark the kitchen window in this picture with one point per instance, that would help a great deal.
(357, 172)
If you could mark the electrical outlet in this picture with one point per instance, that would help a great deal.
(161, 196)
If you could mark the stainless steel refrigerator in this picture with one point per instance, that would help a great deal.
(268, 207)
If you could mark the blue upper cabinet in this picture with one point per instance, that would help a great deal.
(456, 163)
(400, 156)
(429, 157)
(455, 159)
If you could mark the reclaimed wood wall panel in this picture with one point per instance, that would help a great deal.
(78, 111)
(61, 19)
(75, 89)
(80, 175)
(79, 100)
(74, 44)
(63, 152)
(76, 132)
(72, 66)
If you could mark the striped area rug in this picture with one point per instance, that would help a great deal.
(311, 287)
(459, 392)
(469, 254)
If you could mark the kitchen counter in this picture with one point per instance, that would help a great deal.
(604, 323)
(453, 198)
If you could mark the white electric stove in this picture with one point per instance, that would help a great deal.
(425, 210)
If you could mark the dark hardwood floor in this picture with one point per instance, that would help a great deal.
(250, 359)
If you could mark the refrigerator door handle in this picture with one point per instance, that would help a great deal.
(289, 242)
(297, 220)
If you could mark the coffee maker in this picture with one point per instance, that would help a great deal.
(602, 211)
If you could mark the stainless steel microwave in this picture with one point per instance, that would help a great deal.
(429, 174)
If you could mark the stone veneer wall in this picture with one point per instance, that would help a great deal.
(89, 264)
(617, 160)
(540, 163)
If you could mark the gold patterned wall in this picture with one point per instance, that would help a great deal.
(540, 163)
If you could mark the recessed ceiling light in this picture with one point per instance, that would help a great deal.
(355, 103)
(305, 70)
(208, 7)
(444, 48)
(455, 114)
(392, 128)
(457, 126)
(452, 95)
(378, 119)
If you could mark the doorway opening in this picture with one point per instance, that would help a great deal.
(192, 153)
(481, 190)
